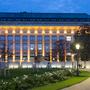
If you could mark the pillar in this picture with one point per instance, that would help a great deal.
(21, 52)
(43, 49)
(6, 45)
(59, 46)
(28, 50)
(36, 43)
(13, 46)
(50, 47)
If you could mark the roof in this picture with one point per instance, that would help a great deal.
(44, 15)
(57, 17)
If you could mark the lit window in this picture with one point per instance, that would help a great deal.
(47, 38)
(61, 37)
(32, 38)
(68, 38)
(54, 38)
(39, 38)
(10, 37)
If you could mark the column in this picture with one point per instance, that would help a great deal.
(36, 48)
(58, 46)
(50, 47)
(6, 46)
(65, 46)
(21, 53)
(28, 42)
(13, 45)
(43, 49)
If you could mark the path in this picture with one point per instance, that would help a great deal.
(85, 85)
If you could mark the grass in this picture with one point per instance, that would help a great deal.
(69, 82)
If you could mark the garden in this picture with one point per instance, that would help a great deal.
(40, 79)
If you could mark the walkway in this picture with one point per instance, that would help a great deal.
(85, 85)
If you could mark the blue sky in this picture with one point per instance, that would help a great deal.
(58, 6)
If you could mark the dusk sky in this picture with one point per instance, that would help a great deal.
(58, 6)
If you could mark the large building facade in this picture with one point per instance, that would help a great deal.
(43, 35)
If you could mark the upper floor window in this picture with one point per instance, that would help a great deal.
(61, 31)
(39, 31)
(32, 31)
(17, 37)
(47, 37)
(39, 38)
(32, 37)
(17, 31)
(46, 31)
(2, 37)
(61, 37)
(10, 37)
(54, 31)
(54, 38)
(24, 38)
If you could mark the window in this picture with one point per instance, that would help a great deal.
(32, 31)
(54, 38)
(68, 38)
(39, 38)
(10, 38)
(46, 31)
(54, 31)
(39, 46)
(24, 31)
(68, 31)
(61, 31)
(17, 37)
(32, 38)
(2, 37)
(47, 38)
(24, 38)
(17, 31)
(24, 46)
(17, 46)
(47, 47)
(32, 46)
(39, 31)
(61, 37)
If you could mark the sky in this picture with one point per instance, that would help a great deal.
(54, 6)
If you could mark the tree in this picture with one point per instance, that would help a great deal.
(83, 37)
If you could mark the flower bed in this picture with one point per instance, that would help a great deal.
(26, 82)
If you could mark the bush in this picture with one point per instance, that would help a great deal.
(26, 82)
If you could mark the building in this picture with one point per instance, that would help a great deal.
(30, 35)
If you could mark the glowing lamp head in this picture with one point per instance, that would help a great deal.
(77, 46)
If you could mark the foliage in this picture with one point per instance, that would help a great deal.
(83, 36)
(66, 83)
(29, 81)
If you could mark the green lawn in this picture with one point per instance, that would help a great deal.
(71, 81)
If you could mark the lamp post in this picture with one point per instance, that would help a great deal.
(77, 48)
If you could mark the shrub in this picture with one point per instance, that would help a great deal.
(26, 82)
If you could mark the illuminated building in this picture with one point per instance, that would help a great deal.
(36, 34)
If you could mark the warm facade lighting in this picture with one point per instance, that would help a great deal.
(50, 32)
(21, 32)
(72, 32)
(36, 32)
(58, 32)
(28, 31)
(6, 31)
(43, 32)
(13, 32)
(65, 32)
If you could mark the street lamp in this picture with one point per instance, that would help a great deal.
(77, 48)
